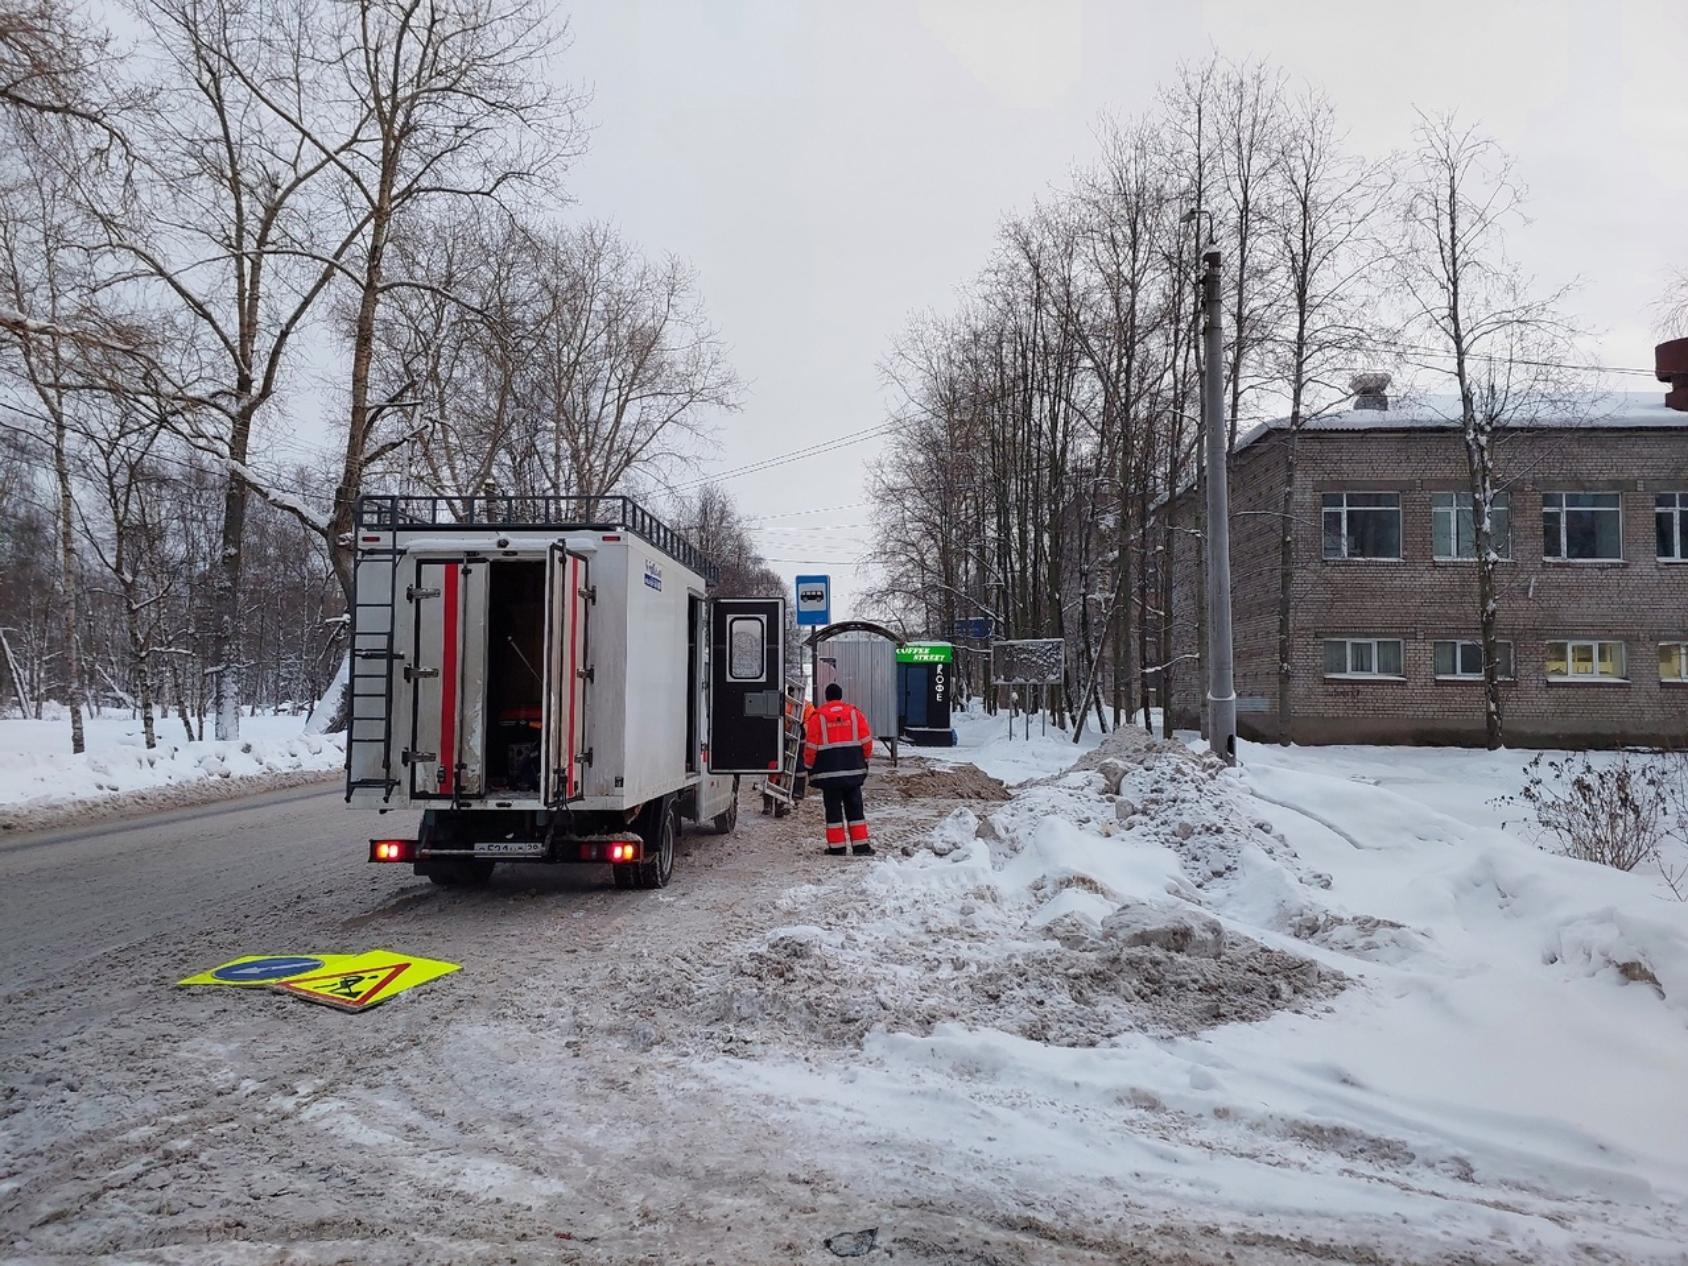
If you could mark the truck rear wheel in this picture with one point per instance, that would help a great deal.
(724, 823)
(660, 829)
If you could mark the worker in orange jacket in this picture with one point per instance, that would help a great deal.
(838, 743)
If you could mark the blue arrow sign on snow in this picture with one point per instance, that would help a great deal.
(266, 969)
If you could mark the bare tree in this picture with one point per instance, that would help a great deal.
(235, 232)
(56, 68)
(1249, 126)
(1496, 340)
(1672, 306)
(119, 522)
(47, 285)
(458, 344)
(712, 521)
(451, 103)
(624, 368)
(1323, 219)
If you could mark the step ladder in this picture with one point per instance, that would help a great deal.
(369, 729)
(782, 790)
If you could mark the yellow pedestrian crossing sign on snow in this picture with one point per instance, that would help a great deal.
(371, 979)
(352, 982)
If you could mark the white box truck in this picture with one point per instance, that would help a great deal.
(549, 679)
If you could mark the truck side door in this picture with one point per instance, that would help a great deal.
(563, 752)
(746, 685)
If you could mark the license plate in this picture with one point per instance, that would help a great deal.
(509, 848)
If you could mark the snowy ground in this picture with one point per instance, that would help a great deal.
(1000, 746)
(1322, 1008)
(43, 785)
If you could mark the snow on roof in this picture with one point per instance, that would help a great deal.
(1618, 410)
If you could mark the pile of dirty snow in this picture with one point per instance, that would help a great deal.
(1059, 918)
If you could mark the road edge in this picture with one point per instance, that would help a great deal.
(28, 819)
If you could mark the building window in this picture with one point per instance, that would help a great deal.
(1670, 513)
(1582, 526)
(1461, 661)
(1362, 524)
(1453, 528)
(1363, 657)
(1585, 661)
(1673, 661)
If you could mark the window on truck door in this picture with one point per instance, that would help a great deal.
(746, 648)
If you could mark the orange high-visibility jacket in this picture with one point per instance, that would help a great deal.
(838, 742)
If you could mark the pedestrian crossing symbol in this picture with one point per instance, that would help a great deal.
(369, 980)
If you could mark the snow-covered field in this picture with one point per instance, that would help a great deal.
(1326, 994)
(43, 783)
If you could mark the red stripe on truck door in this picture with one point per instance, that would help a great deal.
(448, 682)
(572, 613)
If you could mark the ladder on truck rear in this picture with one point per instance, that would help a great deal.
(370, 682)
(783, 789)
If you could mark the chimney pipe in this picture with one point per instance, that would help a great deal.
(1670, 363)
(1371, 391)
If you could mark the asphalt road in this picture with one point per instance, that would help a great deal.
(86, 898)
(584, 1091)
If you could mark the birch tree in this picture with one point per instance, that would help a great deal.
(236, 230)
(47, 287)
(1496, 340)
(448, 102)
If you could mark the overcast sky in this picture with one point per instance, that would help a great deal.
(831, 169)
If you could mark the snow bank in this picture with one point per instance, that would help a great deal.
(39, 775)
(1285, 999)
(985, 741)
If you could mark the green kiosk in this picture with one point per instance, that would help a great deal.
(925, 685)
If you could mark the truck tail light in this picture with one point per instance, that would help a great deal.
(392, 850)
(624, 852)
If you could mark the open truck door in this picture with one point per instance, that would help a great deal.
(568, 603)
(746, 685)
(447, 676)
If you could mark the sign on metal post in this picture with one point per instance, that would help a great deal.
(1028, 662)
(814, 601)
(973, 626)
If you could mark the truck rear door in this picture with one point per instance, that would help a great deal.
(746, 684)
(563, 752)
(447, 673)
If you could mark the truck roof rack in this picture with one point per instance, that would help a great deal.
(390, 512)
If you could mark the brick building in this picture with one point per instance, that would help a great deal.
(1592, 595)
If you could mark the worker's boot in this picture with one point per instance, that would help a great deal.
(864, 849)
(835, 852)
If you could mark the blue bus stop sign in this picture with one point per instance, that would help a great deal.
(814, 601)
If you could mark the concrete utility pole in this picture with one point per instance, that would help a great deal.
(1221, 685)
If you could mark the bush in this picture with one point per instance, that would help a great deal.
(1615, 813)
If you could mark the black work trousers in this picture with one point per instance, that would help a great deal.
(845, 818)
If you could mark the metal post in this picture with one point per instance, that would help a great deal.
(1221, 685)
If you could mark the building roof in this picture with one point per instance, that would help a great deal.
(1617, 410)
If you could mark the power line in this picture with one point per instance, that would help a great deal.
(795, 455)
